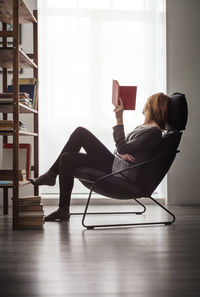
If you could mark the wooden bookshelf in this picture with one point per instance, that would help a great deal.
(7, 108)
(6, 12)
(6, 59)
(21, 133)
(16, 12)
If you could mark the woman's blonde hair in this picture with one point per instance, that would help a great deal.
(156, 109)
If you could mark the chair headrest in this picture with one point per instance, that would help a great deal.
(178, 112)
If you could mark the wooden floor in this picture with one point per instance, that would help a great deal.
(64, 259)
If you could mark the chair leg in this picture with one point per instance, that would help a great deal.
(128, 224)
(114, 212)
(165, 209)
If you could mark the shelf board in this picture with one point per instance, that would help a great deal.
(6, 59)
(21, 133)
(8, 108)
(27, 133)
(6, 12)
(21, 184)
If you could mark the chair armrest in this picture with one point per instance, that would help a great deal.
(133, 167)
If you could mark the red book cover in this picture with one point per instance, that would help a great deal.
(126, 93)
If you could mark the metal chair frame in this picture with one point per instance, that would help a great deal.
(168, 222)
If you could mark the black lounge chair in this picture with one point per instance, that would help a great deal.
(151, 174)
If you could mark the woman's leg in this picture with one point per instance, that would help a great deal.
(97, 156)
(80, 138)
(96, 150)
(68, 162)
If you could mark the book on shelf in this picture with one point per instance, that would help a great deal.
(25, 101)
(24, 157)
(6, 182)
(27, 81)
(126, 93)
(7, 98)
(35, 97)
(7, 175)
(29, 86)
(10, 96)
(7, 125)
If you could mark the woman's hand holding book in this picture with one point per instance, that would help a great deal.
(119, 109)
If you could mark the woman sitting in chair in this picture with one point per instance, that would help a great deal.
(136, 147)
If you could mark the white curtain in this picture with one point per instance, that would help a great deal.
(83, 45)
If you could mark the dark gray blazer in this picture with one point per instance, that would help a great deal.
(140, 143)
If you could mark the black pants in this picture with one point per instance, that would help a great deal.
(96, 156)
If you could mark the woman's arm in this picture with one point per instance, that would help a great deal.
(126, 157)
(119, 109)
(147, 140)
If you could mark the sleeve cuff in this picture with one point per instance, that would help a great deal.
(117, 126)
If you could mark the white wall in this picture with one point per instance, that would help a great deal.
(27, 46)
(183, 74)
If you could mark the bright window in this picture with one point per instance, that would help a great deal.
(83, 45)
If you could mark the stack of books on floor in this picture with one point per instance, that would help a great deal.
(31, 213)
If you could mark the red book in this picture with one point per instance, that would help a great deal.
(126, 93)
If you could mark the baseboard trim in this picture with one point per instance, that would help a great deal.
(100, 201)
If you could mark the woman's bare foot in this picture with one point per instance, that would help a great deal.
(47, 179)
(61, 214)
